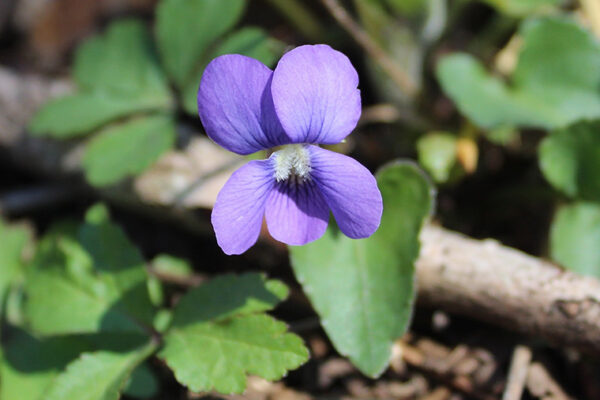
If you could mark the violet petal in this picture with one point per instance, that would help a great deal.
(236, 107)
(349, 189)
(296, 213)
(315, 95)
(238, 212)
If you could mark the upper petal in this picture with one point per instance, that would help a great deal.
(296, 213)
(350, 190)
(238, 212)
(235, 104)
(315, 95)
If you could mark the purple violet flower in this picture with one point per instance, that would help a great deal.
(311, 98)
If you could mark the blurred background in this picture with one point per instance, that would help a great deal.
(498, 101)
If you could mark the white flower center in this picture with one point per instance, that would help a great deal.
(292, 161)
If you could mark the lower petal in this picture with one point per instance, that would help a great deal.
(238, 212)
(296, 213)
(349, 189)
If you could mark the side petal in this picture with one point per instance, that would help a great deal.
(296, 213)
(235, 104)
(315, 95)
(238, 212)
(350, 190)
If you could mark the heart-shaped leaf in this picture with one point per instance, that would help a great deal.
(363, 290)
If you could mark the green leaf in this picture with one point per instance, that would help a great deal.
(57, 304)
(219, 335)
(78, 114)
(186, 28)
(574, 238)
(503, 135)
(127, 149)
(118, 261)
(227, 296)
(218, 355)
(172, 266)
(13, 239)
(523, 8)
(363, 290)
(118, 74)
(123, 61)
(95, 285)
(437, 154)
(556, 81)
(29, 365)
(570, 160)
(252, 42)
(100, 375)
(402, 7)
(143, 383)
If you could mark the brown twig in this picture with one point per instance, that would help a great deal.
(395, 72)
(506, 287)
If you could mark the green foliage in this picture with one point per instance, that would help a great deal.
(100, 375)
(189, 36)
(406, 6)
(252, 42)
(522, 8)
(117, 74)
(123, 61)
(548, 88)
(227, 296)
(363, 290)
(94, 281)
(29, 365)
(143, 383)
(12, 244)
(127, 149)
(218, 355)
(437, 154)
(570, 160)
(87, 288)
(171, 266)
(186, 28)
(575, 235)
(220, 334)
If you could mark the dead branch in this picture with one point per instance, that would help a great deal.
(480, 279)
(503, 286)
